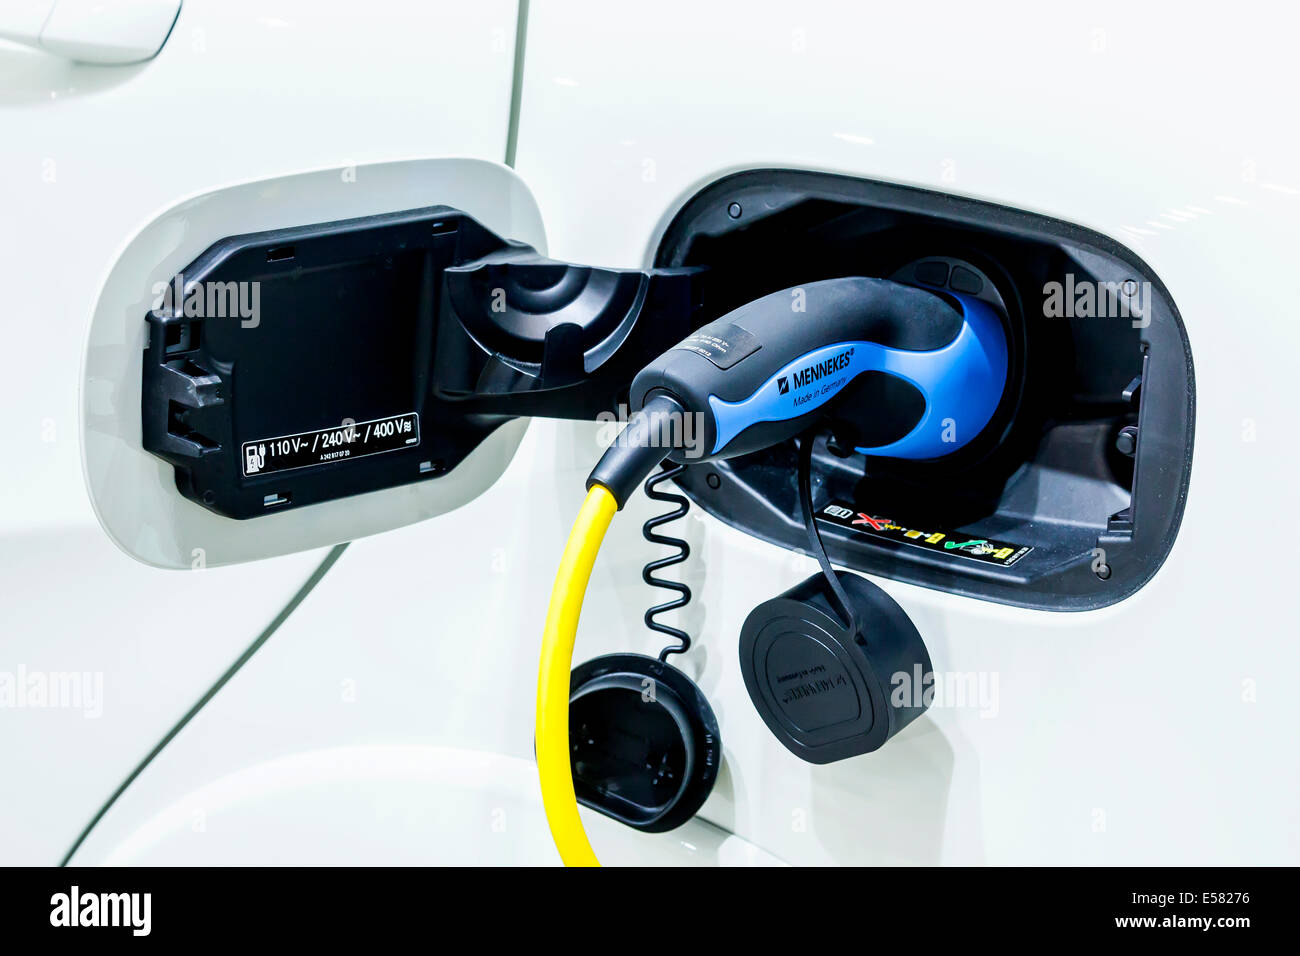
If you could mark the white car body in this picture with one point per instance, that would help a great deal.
(388, 716)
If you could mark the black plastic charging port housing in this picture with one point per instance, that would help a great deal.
(302, 365)
(1072, 497)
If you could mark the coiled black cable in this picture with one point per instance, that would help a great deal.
(682, 552)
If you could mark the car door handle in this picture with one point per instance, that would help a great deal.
(109, 32)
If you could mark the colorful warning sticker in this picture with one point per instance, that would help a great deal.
(1000, 553)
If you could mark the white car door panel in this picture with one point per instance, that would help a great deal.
(1104, 720)
(240, 92)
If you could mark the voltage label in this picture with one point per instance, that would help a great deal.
(324, 446)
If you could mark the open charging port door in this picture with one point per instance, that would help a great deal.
(245, 363)
(313, 382)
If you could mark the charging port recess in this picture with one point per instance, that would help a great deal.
(1071, 499)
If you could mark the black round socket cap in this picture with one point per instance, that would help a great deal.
(643, 741)
(822, 691)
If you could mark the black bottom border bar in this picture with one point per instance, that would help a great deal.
(1174, 905)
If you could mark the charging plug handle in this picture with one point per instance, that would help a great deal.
(766, 371)
(921, 371)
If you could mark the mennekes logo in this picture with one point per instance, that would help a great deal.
(818, 370)
(75, 908)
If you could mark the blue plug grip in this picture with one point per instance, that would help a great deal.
(962, 384)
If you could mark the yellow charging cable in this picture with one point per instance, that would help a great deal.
(624, 465)
(553, 677)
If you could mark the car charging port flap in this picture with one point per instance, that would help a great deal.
(297, 366)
